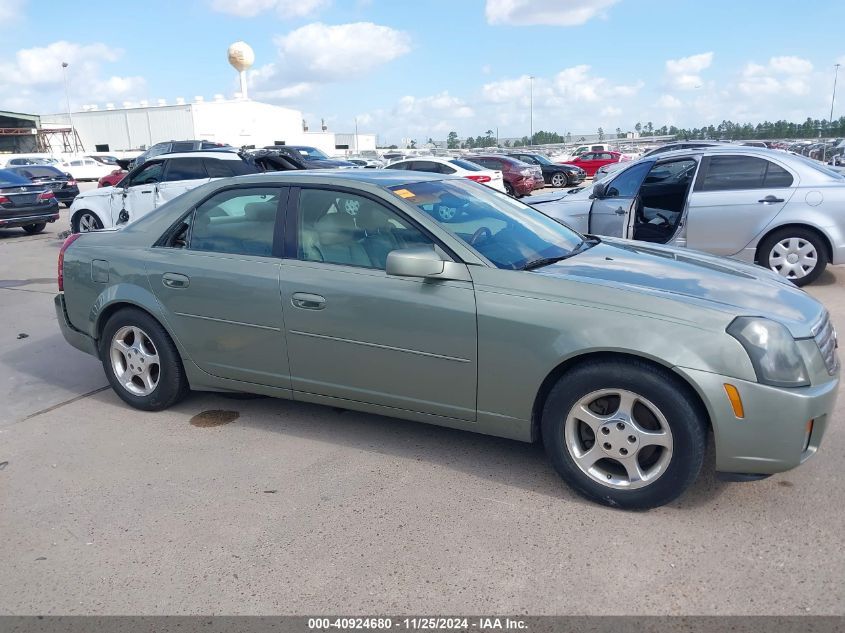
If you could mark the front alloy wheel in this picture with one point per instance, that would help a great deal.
(85, 221)
(624, 432)
(558, 180)
(618, 438)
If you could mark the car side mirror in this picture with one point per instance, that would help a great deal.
(420, 261)
(599, 190)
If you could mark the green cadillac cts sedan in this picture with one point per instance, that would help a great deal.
(439, 300)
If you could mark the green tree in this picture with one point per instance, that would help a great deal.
(619, 133)
(601, 134)
(638, 127)
(452, 140)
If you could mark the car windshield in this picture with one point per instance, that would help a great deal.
(542, 159)
(511, 235)
(11, 179)
(465, 164)
(312, 152)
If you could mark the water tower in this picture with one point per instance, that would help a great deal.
(241, 57)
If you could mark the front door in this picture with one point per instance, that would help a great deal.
(217, 280)
(138, 196)
(356, 333)
(734, 199)
(612, 213)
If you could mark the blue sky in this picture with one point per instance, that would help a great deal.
(420, 68)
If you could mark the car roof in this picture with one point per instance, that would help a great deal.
(377, 177)
(204, 153)
(436, 159)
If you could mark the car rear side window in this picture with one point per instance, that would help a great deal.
(777, 176)
(185, 169)
(236, 221)
(726, 173)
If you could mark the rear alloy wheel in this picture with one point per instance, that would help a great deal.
(510, 190)
(84, 221)
(559, 180)
(141, 361)
(795, 253)
(624, 433)
(32, 229)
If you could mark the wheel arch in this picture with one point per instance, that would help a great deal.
(571, 363)
(826, 241)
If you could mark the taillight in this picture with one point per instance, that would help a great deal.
(61, 274)
(71, 183)
(479, 178)
(4, 200)
(47, 195)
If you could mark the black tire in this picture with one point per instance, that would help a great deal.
(172, 384)
(510, 190)
(802, 235)
(32, 229)
(559, 179)
(77, 223)
(674, 400)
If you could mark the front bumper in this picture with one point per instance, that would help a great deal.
(772, 437)
(79, 340)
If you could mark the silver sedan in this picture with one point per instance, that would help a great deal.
(775, 209)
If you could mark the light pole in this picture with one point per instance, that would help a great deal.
(356, 136)
(67, 101)
(832, 101)
(531, 107)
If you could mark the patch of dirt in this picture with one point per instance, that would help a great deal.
(214, 417)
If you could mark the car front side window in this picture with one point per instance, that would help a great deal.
(150, 173)
(342, 228)
(627, 184)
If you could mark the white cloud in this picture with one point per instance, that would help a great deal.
(420, 117)
(781, 76)
(611, 111)
(669, 102)
(545, 12)
(33, 79)
(318, 53)
(684, 73)
(284, 8)
(11, 9)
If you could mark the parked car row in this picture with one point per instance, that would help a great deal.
(26, 204)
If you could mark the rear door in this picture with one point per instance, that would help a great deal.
(734, 198)
(217, 280)
(612, 214)
(180, 175)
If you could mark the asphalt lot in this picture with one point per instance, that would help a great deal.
(292, 508)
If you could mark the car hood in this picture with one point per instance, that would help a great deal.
(692, 277)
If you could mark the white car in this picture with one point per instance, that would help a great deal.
(150, 185)
(454, 166)
(86, 168)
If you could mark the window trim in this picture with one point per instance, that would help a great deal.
(291, 222)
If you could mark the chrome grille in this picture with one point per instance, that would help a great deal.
(825, 337)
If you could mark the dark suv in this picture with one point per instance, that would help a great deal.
(554, 174)
(171, 147)
(312, 157)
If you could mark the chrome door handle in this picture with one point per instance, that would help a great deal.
(148, 191)
(770, 200)
(175, 280)
(307, 301)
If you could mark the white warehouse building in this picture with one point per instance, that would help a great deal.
(236, 122)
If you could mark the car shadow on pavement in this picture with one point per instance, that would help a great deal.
(827, 278)
(507, 462)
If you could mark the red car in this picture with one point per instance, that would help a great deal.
(520, 178)
(591, 161)
(112, 179)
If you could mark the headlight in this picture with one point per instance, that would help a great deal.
(772, 350)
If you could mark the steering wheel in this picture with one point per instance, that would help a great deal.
(482, 231)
